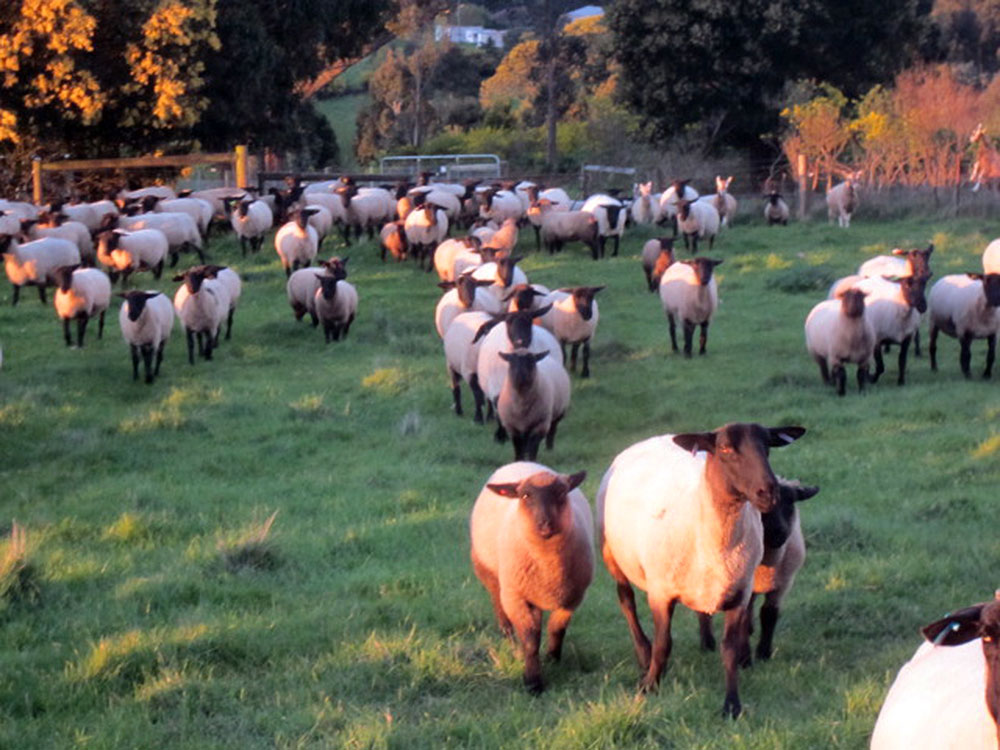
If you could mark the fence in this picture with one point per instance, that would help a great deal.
(449, 166)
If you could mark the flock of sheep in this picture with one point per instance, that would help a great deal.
(695, 518)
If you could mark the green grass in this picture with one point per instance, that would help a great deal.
(167, 610)
(342, 112)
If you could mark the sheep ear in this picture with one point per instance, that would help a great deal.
(486, 328)
(540, 356)
(541, 311)
(805, 492)
(955, 629)
(447, 284)
(930, 248)
(482, 282)
(975, 276)
(506, 356)
(596, 289)
(574, 480)
(781, 436)
(696, 441)
(898, 251)
(180, 277)
(504, 489)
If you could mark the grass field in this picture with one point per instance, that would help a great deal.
(342, 112)
(150, 615)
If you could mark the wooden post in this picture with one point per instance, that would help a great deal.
(803, 184)
(36, 181)
(240, 166)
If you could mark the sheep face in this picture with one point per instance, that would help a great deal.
(991, 286)
(583, 298)
(328, 285)
(919, 259)
(136, 301)
(613, 212)
(852, 303)
(523, 296)
(543, 500)
(913, 288)
(5, 242)
(505, 268)
(521, 367)
(737, 463)
(63, 276)
(703, 268)
(192, 278)
(773, 198)
(520, 325)
(466, 286)
(778, 523)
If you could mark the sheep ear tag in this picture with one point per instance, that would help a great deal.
(504, 489)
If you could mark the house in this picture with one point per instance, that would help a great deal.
(585, 11)
(476, 35)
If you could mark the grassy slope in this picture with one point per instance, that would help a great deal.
(373, 631)
(342, 112)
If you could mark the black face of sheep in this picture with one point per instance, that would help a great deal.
(523, 296)
(912, 288)
(64, 276)
(737, 464)
(328, 285)
(991, 287)
(683, 209)
(703, 268)
(778, 522)
(136, 301)
(919, 259)
(192, 278)
(5, 240)
(466, 286)
(520, 326)
(336, 267)
(852, 303)
(583, 298)
(149, 202)
(521, 367)
(505, 268)
(543, 498)
(773, 198)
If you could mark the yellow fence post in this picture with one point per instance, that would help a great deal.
(240, 163)
(803, 184)
(36, 181)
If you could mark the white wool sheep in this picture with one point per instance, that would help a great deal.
(991, 257)
(657, 256)
(842, 202)
(966, 307)
(894, 307)
(33, 263)
(297, 242)
(218, 197)
(504, 239)
(426, 227)
(915, 262)
(556, 228)
(332, 202)
(160, 191)
(125, 252)
(722, 201)
(689, 293)
(838, 332)
(446, 200)
(336, 303)
(201, 304)
(20, 209)
(697, 221)
(146, 320)
(199, 210)
(81, 294)
(451, 249)
(679, 190)
(611, 217)
(180, 230)
(776, 210)
(364, 210)
(251, 220)
(80, 213)
(645, 209)
(679, 517)
(573, 320)
(461, 354)
(234, 290)
(499, 205)
(57, 226)
(321, 221)
(504, 274)
(946, 695)
(531, 538)
(301, 290)
(533, 400)
(464, 294)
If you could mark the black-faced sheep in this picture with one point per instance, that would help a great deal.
(839, 332)
(533, 400)
(776, 210)
(842, 202)
(33, 263)
(81, 294)
(297, 242)
(966, 307)
(336, 303)
(201, 303)
(125, 253)
(573, 320)
(146, 320)
(689, 293)
(697, 221)
(657, 257)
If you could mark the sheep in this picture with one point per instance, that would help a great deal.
(500, 205)
(461, 351)
(79, 213)
(234, 290)
(784, 553)
(180, 230)
(573, 320)
(218, 197)
(146, 320)
(531, 402)
(392, 239)
(842, 202)
(894, 306)
(531, 537)
(33, 263)
(201, 304)
(160, 191)
(724, 203)
(321, 221)
(251, 219)
(464, 294)
(966, 308)
(20, 210)
(991, 257)
(679, 190)
(679, 517)
(697, 220)
(776, 210)
(948, 694)
(200, 211)
(10, 222)
(530, 297)
(503, 272)
(125, 252)
(689, 292)
(301, 291)
(81, 294)
(611, 216)
(297, 241)
(450, 251)
(504, 239)
(426, 227)
(332, 202)
(556, 228)
(838, 331)
(56, 225)
(914, 262)
(364, 211)
(657, 256)
(450, 203)
(336, 303)
(645, 209)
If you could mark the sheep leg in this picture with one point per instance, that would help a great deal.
(745, 657)
(456, 391)
(862, 377)
(705, 631)
(314, 318)
(733, 642)
(703, 338)
(839, 377)
(688, 337)
(585, 372)
(17, 295)
(147, 361)
(174, 256)
(229, 324)
(209, 343)
(501, 433)
(574, 350)
(991, 352)
(527, 621)
(135, 360)
(81, 328)
(558, 622)
(538, 240)
(113, 277)
(615, 253)
(879, 363)
(530, 445)
(190, 343)
(550, 436)
(492, 585)
(916, 343)
(662, 643)
(159, 359)
(768, 620)
(478, 397)
(904, 348)
(66, 333)
(243, 245)
(673, 333)
(41, 294)
(965, 356)
(824, 371)
(626, 601)
(932, 347)
(100, 324)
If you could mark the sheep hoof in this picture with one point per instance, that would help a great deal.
(763, 654)
(534, 685)
(648, 685)
(731, 708)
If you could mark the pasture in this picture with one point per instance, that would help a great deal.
(159, 610)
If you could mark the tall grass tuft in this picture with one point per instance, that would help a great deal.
(18, 576)
(253, 552)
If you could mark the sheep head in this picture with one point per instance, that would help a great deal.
(543, 500)
(778, 522)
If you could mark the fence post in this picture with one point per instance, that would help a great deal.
(36, 180)
(240, 166)
(803, 184)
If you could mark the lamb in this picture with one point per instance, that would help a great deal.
(531, 537)
(33, 263)
(234, 290)
(556, 228)
(461, 352)
(499, 205)
(573, 320)
(948, 694)
(991, 257)
(336, 303)
(657, 257)
(724, 203)
(894, 307)
(392, 239)
(202, 304)
(679, 517)
(966, 308)
(679, 190)
(464, 294)
(251, 219)
(842, 202)
(180, 230)
(426, 227)
(697, 220)
(297, 242)
(645, 209)
(146, 320)
(125, 253)
(689, 292)
(776, 210)
(784, 553)
(838, 331)
(81, 294)
(611, 216)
